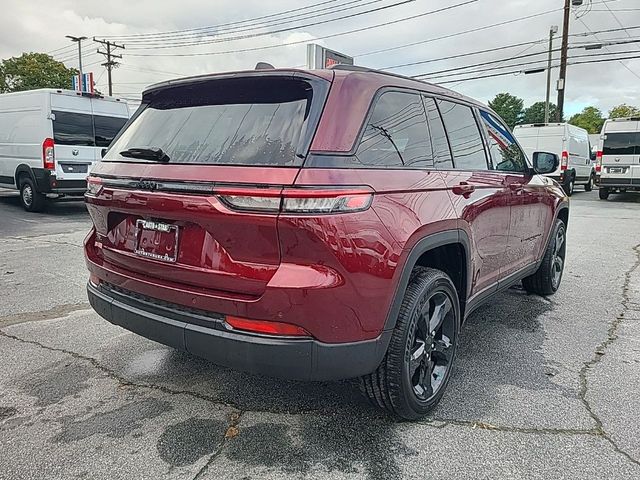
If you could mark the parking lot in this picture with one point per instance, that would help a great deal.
(544, 388)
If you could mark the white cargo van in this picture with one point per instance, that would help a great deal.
(49, 140)
(570, 143)
(619, 156)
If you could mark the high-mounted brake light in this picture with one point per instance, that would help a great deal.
(266, 327)
(94, 185)
(599, 161)
(48, 154)
(298, 200)
(564, 162)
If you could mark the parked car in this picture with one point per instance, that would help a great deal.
(50, 139)
(619, 157)
(571, 143)
(319, 225)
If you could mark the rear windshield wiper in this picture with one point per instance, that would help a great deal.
(146, 153)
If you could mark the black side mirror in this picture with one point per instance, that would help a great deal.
(103, 152)
(545, 162)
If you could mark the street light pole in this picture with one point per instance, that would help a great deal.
(79, 41)
(552, 31)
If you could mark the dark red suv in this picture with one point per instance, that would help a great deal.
(318, 225)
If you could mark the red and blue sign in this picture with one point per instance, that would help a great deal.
(87, 83)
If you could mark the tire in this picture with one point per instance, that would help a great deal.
(400, 384)
(30, 198)
(547, 278)
(603, 193)
(589, 186)
(569, 186)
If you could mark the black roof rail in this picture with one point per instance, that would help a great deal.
(357, 68)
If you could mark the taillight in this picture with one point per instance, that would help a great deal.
(298, 200)
(564, 162)
(599, 161)
(266, 327)
(94, 185)
(48, 155)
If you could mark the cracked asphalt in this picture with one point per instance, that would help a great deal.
(544, 388)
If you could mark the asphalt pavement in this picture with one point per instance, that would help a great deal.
(544, 387)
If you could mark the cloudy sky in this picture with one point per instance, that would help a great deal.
(155, 33)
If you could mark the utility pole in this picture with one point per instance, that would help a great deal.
(552, 31)
(110, 63)
(562, 83)
(79, 40)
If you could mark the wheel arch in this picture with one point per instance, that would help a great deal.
(448, 251)
(23, 169)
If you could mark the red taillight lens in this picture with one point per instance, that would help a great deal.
(298, 200)
(94, 185)
(599, 161)
(266, 327)
(48, 155)
(564, 162)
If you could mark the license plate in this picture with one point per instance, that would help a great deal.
(616, 170)
(157, 240)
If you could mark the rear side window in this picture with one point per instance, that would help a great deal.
(505, 152)
(396, 134)
(441, 152)
(73, 128)
(70, 128)
(627, 143)
(106, 128)
(245, 121)
(464, 136)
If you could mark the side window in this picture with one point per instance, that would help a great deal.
(439, 142)
(396, 134)
(505, 152)
(464, 136)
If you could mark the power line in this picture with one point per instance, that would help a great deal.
(287, 29)
(515, 72)
(348, 32)
(183, 39)
(110, 64)
(200, 29)
(524, 64)
(596, 36)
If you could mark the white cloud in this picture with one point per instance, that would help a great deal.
(40, 25)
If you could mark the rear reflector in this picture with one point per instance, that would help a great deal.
(48, 155)
(266, 327)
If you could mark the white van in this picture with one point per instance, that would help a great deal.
(619, 156)
(570, 143)
(50, 139)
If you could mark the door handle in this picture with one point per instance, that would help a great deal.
(463, 188)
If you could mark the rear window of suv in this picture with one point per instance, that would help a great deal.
(256, 121)
(626, 143)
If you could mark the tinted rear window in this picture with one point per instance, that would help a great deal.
(243, 121)
(627, 143)
(73, 129)
(106, 128)
(70, 128)
(464, 136)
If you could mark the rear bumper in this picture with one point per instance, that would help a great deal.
(613, 182)
(206, 335)
(48, 183)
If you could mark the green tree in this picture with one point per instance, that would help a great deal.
(590, 119)
(624, 110)
(509, 107)
(535, 113)
(33, 70)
